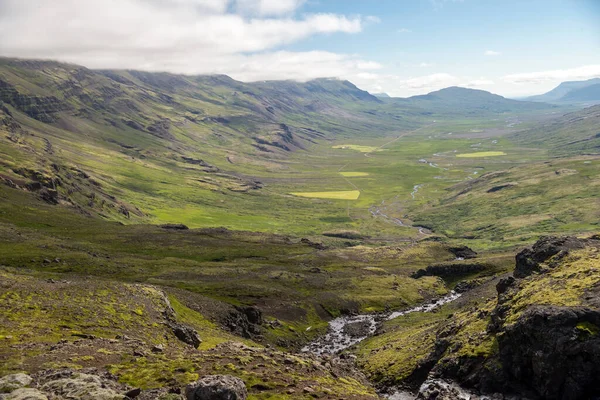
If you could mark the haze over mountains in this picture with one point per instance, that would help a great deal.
(572, 92)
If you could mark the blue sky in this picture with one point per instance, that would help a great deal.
(408, 47)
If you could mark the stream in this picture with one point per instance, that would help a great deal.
(347, 331)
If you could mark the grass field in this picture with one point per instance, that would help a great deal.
(482, 154)
(354, 174)
(361, 148)
(346, 195)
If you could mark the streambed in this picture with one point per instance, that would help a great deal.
(347, 331)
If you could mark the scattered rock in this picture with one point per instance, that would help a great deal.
(81, 387)
(357, 329)
(25, 394)
(159, 348)
(217, 387)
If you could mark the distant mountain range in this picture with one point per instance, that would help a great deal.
(572, 92)
(465, 101)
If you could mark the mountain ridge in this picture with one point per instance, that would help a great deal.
(567, 92)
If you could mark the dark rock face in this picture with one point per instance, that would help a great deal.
(463, 252)
(49, 196)
(42, 108)
(254, 314)
(217, 387)
(529, 260)
(500, 187)
(175, 227)
(316, 245)
(244, 321)
(447, 270)
(555, 351)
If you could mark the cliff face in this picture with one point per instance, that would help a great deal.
(42, 108)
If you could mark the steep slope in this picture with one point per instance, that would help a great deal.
(587, 94)
(124, 144)
(562, 91)
(518, 204)
(571, 134)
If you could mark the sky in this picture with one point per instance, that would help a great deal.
(400, 47)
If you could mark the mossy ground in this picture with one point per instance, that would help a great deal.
(90, 323)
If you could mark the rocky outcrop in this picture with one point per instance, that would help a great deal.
(80, 386)
(186, 334)
(529, 260)
(175, 227)
(244, 321)
(24, 394)
(463, 252)
(452, 269)
(62, 384)
(554, 351)
(13, 382)
(540, 337)
(42, 108)
(217, 387)
(183, 332)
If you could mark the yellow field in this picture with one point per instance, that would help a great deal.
(343, 195)
(362, 149)
(482, 154)
(353, 174)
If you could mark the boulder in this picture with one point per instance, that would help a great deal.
(81, 387)
(12, 382)
(357, 329)
(186, 334)
(217, 387)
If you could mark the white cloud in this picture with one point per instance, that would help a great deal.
(425, 65)
(372, 19)
(479, 82)
(558, 75)
(492, 53)
(138, 34)
(268, 7)
(399, 86)
(432, 82)
(404, 30)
